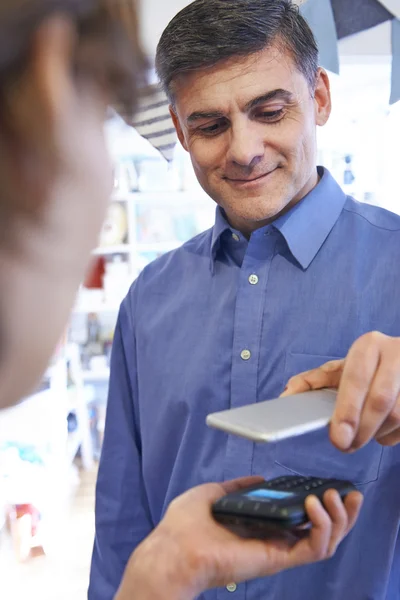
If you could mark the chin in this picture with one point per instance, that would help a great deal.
(261, 215)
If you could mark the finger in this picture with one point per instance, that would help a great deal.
(235, 485)
(315, 546)
(338, 514)
(390, 440)
(392, 423)
(328, 375)
(380, 401)
(358, 373)
(329, 526)
(353, 503)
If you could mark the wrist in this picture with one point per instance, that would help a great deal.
(158, 569)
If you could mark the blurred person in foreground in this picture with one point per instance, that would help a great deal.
(291, 273)
(62, 63)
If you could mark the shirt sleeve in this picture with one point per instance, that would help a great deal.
(122, 513)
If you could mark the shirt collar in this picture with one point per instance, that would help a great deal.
(305, 227)
(220, 226)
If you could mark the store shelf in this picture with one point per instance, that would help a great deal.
(119, 196)
(100, 375)
(97, 307)
(171, 198)
(118, 249)
(159, 247)
(73, 444)
(161, 197)
(28, 420)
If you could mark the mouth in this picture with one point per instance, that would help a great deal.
(250, 182)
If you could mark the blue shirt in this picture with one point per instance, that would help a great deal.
(325, 273)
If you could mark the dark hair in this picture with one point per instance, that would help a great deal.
(210, 31)
(107, 44)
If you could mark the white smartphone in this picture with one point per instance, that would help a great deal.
(278, 419)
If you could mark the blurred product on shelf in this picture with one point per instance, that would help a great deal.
(23, 478)
(125, 176)
(93, 335)
(115, 228)
(93, 346)
(348, 175)
(156, 175)
(116, 279)
(174, 224)
(24, 527)
(94, 277)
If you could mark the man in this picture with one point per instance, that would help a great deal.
(61, 64)
(291, 274)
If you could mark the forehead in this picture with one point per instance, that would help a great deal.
(238, 81)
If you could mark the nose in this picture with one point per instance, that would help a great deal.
(246, 146)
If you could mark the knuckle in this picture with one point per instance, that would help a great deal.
(365, 347)
(174, 505)
(390, 441)
(320, 554)
(372, 337)
(356, 376)
(395, 344)
(331, 552)
(333, 365)
(382, 401)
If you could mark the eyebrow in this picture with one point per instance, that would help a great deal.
(199, 116)
(273, 95)
(278, 94)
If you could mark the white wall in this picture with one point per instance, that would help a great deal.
(156, 14)
(375, 41)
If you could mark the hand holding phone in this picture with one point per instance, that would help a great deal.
(274, 507)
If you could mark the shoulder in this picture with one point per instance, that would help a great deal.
(163, 273)
(372, 217)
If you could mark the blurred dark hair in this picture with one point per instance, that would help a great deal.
(107, 49)
(210, 31)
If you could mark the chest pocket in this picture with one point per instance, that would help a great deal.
(313, 454)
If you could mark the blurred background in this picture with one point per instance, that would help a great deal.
(50, 444)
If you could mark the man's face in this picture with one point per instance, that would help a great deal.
(250, 128)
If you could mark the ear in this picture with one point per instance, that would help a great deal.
(179, 130)
(322, 98)
(40, 96)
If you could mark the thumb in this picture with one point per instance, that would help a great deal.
(236, 485)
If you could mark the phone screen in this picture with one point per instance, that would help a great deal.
(266, 495)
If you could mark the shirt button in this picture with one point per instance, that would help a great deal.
(231, 587)
(253, 279)
(245, 354)
(236, 237)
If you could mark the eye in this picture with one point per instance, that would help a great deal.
(210, 129)
(272, 115)
(214, 129)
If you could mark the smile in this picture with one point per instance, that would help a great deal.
(246, 183)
